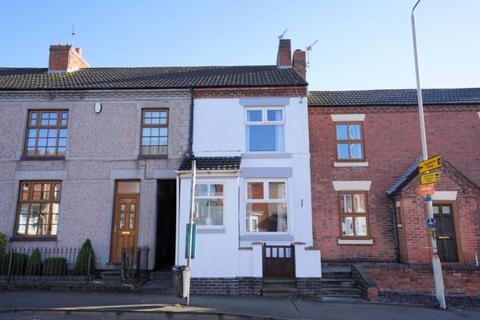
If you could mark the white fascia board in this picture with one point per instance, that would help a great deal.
(348, 117)
(444, 196)
(352, 185)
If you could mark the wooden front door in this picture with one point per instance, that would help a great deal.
(446, 236)
(125, 221)
(278, 261)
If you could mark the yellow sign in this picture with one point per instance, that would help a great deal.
(426, 189)
(431, 177)
(430, 164)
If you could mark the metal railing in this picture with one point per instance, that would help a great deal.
(134, 264)
(46, 265)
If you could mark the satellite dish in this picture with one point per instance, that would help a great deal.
(98, 107)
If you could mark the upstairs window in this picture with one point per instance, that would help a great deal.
(38, 208)
(353, 215)
(349, 141)
(154, 140)
(46, 133)
(265, 130)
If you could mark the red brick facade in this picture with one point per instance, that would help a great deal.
(391, 142)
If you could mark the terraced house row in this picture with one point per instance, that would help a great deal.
(289, 182)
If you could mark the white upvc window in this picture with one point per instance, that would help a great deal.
(209, 204)
(266, 206)
(265, 129)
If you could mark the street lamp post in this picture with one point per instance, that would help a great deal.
(436, 264)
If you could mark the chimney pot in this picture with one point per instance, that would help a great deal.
(284, 53)
(78, 51)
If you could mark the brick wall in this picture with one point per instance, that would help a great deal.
(226, 286)
(391, 146)
(419, 279)
(300, 91)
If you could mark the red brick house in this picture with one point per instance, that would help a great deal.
(365, 148)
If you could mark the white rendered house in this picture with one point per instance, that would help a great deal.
(253, 198)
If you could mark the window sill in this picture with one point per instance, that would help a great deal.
(29, 158)
(152, 157)
(20, 238)
(350, 164)
(266, 155)
(356, 241)
(211, 229)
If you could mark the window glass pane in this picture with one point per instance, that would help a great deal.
(163, 142)
(53, 119)
(254, 115)
(37, 191)
(435, 209)
(42, 133)
(154, 132)
(32, 133)
(146, 132)
(122, 216)
(33, 219)
(209, 212)
(132, 216)
(33, 118)
(23, 213)
(342, 150)
(201, 190)
(267, 217)
(53, 230)
(276, 190)
(347, 226)
(44, 118)
(354, 132)
(360, 226)
(163, 132)
(64, 118)
(24, 194)
(446, 209)
(359, 202)
(216, 190)
(356, 151)
(265, 138)
(45, 192)
(274, 115)
(342, 132)
(55, 208)
(128, 187)
(163, 117)
(21, 229)
(255, 190)
(346, 203)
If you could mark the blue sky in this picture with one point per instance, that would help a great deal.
(363, 44)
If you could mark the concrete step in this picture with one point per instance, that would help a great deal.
(340, 292)
(110, 275)
(336, 275)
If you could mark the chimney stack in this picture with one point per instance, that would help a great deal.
(63, 58)
(300, 63)
(284, 54)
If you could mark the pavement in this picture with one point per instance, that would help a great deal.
(41, 305)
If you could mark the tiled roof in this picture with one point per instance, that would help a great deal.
(412, 172)
(148, 78)
(212, 164)
(393, 97)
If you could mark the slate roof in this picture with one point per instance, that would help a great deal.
(149, 78)
(393, 97)
(212, 164)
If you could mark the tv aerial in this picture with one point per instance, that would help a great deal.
(280, 37)
(309, 49)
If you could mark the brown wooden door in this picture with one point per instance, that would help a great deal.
(278, 261)
(125, 226)
(446, 237)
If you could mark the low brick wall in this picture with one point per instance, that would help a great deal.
(414, 283)
(226, 286)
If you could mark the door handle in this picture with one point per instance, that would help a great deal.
(444, 238)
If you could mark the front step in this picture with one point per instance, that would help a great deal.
(110, 275)
(337, 283)
(279, 287)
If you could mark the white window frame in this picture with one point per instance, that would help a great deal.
(203, 226)
(264, 122)
(267, 199)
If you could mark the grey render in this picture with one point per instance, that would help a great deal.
(100, 149)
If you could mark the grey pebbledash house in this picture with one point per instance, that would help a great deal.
(96, 152)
